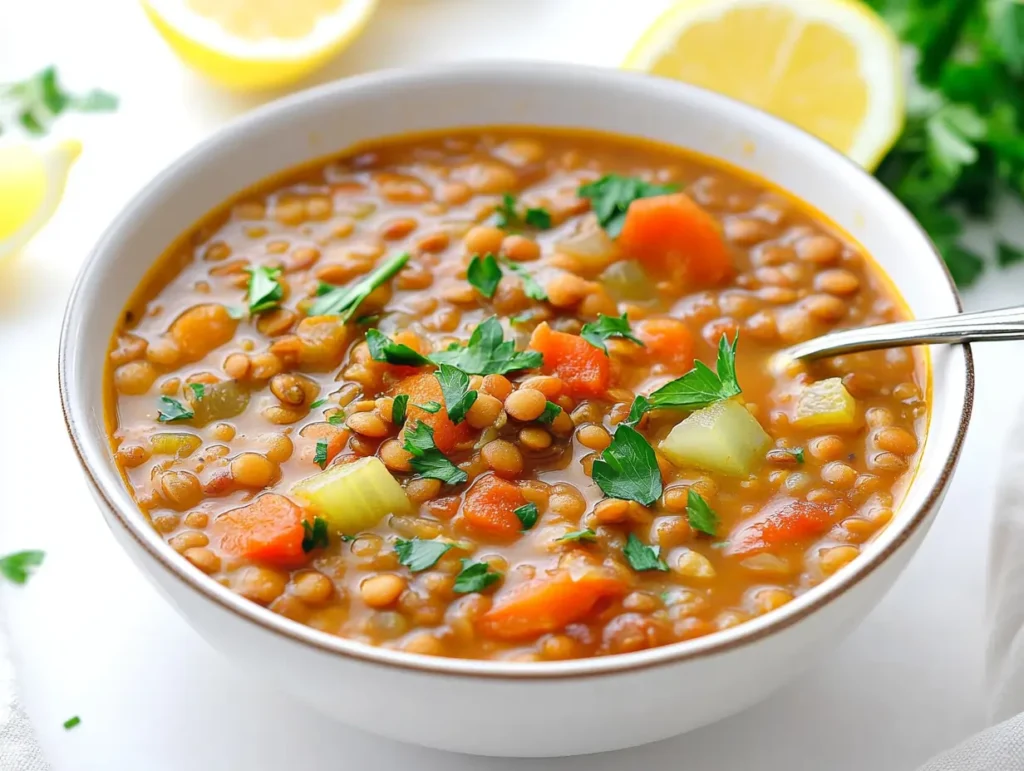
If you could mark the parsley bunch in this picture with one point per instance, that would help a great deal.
(964, 138)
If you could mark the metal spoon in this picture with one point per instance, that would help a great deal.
(1002, 324)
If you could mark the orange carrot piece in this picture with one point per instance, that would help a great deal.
(548, 604)
(491, 503)
(268, 530)
(583, 368)
(424, 388)
(668, 341)
(666, 231)
(781, 522)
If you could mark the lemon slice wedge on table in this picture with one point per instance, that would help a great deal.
(32, 177)
(832, 67)
(256, 44)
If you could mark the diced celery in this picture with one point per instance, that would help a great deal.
(179, 444)
(826, 404)
(723, 437)
(355, 496)
(591, 246)
(220, 401)
(627, 281)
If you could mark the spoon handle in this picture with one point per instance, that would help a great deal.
(1002, 324)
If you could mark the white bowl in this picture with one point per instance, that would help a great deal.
(530, 709)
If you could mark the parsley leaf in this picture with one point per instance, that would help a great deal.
(383, 348)
(628, 468)
(533, 289)
(265, 291)
(314, 535)
(18, 567)
(71, 722)
(173, 410)
(427, 460)
(40, 99)
(432, 407)
(344, 301)
(527, 515)
(641, 556)
(318, 403)
(507, 217)
(551, 411)
(798, 453)
(198, 391)
(697, 388)
(320, 457)
(1008, 254)
(611, 195)
(587, 535)
(337, 418)
(640, 406)
(474, 577)
(455, 387)
(701, 516)
(488, 353)
(537, 217)
(596, 332)
(399, 405)
(484, 274)
(418, 555)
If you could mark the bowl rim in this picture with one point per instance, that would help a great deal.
(716, 643)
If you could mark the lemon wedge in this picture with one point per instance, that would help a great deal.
(32, 178)
(832, 67)
(258, 43)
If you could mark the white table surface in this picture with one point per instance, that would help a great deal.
(90, 637)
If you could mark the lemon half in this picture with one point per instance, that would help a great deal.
(253, 44)
(832, 67)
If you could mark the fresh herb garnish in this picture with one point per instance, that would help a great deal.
(399, 405)
(507, 217)
(320, 456)
(265, 291)
(628, 468)
(488, 353)
(18, 567)
(418, 555)
(641, 556)
(344, 301)
(315, 535)
(173, 410)
(798, 453)
(637, 410)
(455, 387)
(383, 348)
(530, 285)
(527, 515)
(337, 418)
(235, 312)
(701, 516)
(611, 195)
(474, 577)
(1008, 254)
(596, 332)
(198, 391)
(427, 460)
(318, 403)
(37, 101)
(520, 318)
(587, 535)
(551, 411)
(432, 407)
(71, 722)
(484, 274)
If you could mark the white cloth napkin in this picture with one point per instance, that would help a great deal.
(18, 748)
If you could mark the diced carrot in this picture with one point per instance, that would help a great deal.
(583, 368)
(268, 530)
(548, 604)
(781, 522)
(668, 341)
(314, 433)
(666, 231)
(423, 388)
(490, 505)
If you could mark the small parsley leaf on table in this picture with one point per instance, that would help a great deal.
(19, 567)
(265, 291)
(628, 468)
(596, 332)
(315, 535)
(71, 722)
(700, 515)
(419, 555)
(173, 411)
(611, 195)
(488, 353)
(642, 557)
(383, 348)
(484, 274)
(455, 387)
(427, 460)
(344, 301)
(475, 577)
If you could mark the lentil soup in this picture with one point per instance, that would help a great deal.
(510, 394)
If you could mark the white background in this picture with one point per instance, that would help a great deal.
(91, 638)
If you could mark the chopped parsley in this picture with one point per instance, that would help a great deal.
(344, 301)
(173, 411)
(337, 418)
(611, 195)
(527, 515)
(19, 567)
(596, 332)
(701, 516)
(432, 407)
(455, 387)
(506, 215)
(488, 353)
(314, 535)
(533, 289)
(265, 291)
(383, 348)
(474, 577)
(427, 460)
(642, 557)
(798, 453)
(71, 722)
(637, 410)
(38, 100)
(484, 274)
(628, 468)
(398, 409)
(418, 555)
(320, 457)
(551, 411)
(199, 391)
(318, 403)
(580, 536)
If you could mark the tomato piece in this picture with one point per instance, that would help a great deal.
(491, 503)
(423, 388)
(267, 530)
(583, 368)
(781, 522)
